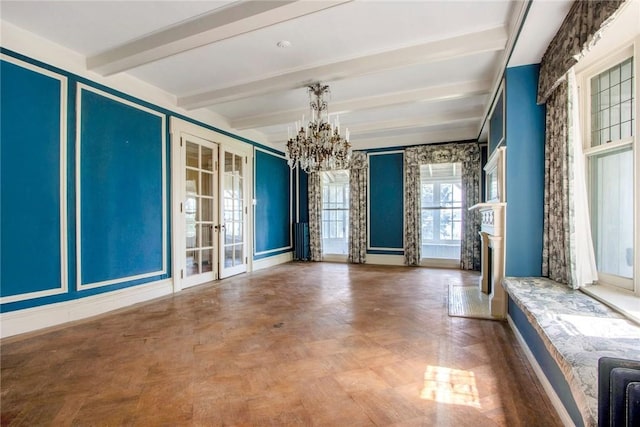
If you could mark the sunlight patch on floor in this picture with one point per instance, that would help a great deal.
(453, 386)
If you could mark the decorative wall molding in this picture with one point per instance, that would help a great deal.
(64, 274)
(369, 247)
(254, 200)
(163, 150)
(32, 319)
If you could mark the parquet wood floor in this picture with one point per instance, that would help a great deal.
(301, 344)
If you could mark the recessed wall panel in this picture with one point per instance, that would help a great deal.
(120, 180)
(33, 168)
(273, 203)
(386, 202)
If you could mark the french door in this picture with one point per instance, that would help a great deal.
(200, 208)
(233, 254)
(210, 192)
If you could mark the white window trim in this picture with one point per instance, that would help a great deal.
(329, 256)
(436, 185)
(439, 262)
(601, 58)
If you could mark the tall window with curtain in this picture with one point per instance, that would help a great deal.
(467, 156)
(585, 182)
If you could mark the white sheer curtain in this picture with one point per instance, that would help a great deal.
(583, 262)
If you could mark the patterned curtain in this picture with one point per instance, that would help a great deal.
(469, 156)
(358, 208)
(412, 229)
(580, 31)
(555, 237)
(315, 216)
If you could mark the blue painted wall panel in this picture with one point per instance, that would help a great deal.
(546, 362)
(41, 164)
(496, 125)
(273, 210)
(121, 189)
(386, 201)
(30, 163)
(525, 172)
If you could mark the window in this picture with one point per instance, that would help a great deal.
(610, 150)
(611, 104)
(441, 210)
(335, 212)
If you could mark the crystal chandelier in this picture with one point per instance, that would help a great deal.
(318, 144)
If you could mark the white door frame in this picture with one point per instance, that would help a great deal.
(176, 128)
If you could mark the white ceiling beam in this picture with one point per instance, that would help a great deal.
(426, 137)
(238, 18)
(427, 94)
(415, 122)
(358, 130)
(441, 50)
(432, 137)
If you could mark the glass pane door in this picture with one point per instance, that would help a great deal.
(233, 257)
(200, 213)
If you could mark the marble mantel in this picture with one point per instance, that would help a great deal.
(492, 267)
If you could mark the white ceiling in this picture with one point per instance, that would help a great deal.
(400, 72)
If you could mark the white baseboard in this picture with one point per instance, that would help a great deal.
(440, 263)
(383, 259)
(271, 261)
(335, 258)
(555, 400)
(32, 319)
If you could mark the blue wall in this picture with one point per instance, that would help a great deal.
(31, 188)
(386, 203)
(546, 362)
(122, 140)
(525, 172)
(525, 134)
(273, 208)
(496, 124)
(121, 189)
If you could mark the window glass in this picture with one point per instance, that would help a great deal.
(612, 211)
(441, 203)
(612, 113)
(335, 212)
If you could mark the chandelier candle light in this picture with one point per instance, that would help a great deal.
(318, 145)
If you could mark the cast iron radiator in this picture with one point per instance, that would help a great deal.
(618, 392)
(301, 241)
